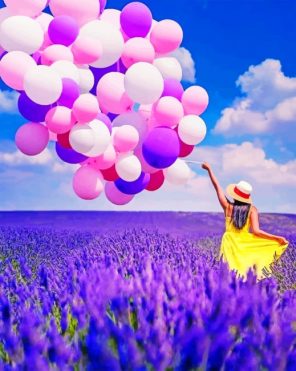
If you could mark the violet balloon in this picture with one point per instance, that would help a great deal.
(132, 188)
(136, 19)
(161, 147)
(173, 88)
(102, 5)
(69, 155)
(63, 30)
(32, 111)
(70, 93)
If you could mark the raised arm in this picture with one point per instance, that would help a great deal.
(219, 190)
(258, 232)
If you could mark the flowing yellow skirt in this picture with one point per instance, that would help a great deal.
(245, 250)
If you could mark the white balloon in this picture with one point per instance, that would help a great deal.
(192, 129)
(111, 16)
(110, 38)
(128, 167)
(21, 33)
(81, 138)
(102, 138)
(169, 67)
(43, 85)
(134, 119)
(4, 13)
(143, 83)
(86, 79)
(44, 20)
(66, 69)
(178, 173)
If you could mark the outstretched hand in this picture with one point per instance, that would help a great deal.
(282, 240)
(206, 166)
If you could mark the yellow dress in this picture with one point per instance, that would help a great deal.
(242, 249)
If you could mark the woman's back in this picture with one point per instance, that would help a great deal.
(230, 227)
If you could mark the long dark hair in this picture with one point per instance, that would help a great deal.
(240, 212)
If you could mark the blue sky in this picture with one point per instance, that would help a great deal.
(250, 118)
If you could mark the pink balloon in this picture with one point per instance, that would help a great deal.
(168, 111)
(195, 100)
(105, 161)
(83, 11)
(125, 138)
(86, 108)
(145, 110)
(115, 196)
(13, 67)
(86, 50)
(30, 8)
(32, 138)
(46, 42)
(166, 36)
(136, 50)
(59, 119)
(111, 93)
(53, 137)
(54, 53)
(88, 183)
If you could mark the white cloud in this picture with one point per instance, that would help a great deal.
(45, 158)
(187, 63)
(62, 167)
(8, 101)
(15, 176)
(269, 104)
(18, 158)
(248, 162)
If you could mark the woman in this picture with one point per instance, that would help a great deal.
(239, 248)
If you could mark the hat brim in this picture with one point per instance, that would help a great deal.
(230, 191)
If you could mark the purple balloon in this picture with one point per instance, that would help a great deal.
(99, 73)
(32, 111)
(136, 20)
(2, 53)
(69, 155)
(132, 188)
(102, 5)
(121, 67)
(105, 119)
(70, 93)
(63, 30)
(112, 116)
(161, 147)
(173, 88)
(37, 57)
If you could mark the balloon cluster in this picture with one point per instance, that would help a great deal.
(102, 84)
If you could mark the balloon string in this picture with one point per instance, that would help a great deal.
(194, 162)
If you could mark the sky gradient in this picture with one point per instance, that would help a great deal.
(243, 53)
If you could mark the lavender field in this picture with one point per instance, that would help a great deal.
(139, 291)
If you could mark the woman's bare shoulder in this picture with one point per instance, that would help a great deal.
(253, 209)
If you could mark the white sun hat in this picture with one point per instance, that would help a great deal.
(240, 191)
